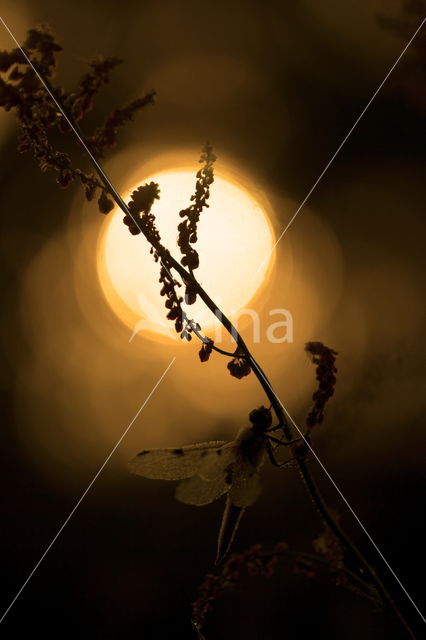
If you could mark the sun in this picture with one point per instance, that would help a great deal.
(235, 244)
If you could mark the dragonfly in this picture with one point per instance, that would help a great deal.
(209, 470)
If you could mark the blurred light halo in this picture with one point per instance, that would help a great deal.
(232, 263)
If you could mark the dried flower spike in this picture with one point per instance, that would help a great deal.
(36, 113)
(188, 227)
(106, 135)
(325, 359)
(255, 562)
(142, 219)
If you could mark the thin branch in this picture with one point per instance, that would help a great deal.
(261, 376)
(347, 543)
(309, 482)
(168, 261)
(204, 340)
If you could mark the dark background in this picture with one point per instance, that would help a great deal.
(276, 86)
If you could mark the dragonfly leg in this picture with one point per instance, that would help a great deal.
(272, 457)
(278, 426)
(284, 443)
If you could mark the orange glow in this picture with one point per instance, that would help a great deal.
(235, 229)
(82, 361)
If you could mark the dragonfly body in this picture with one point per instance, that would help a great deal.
(209, 470)
(252, 444)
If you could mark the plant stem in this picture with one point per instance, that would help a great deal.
(275, 402)
(347, 543)
(168, 261)
(260, 375)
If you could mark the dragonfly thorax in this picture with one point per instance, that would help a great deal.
(252, 444)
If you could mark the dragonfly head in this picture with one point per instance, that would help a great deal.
(261, 419)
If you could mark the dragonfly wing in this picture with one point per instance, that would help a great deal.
(212, 479)
(172, 464)
(217, 462)
(246, 485)
(199, 492)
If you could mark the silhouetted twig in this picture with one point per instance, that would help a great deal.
(38, 112)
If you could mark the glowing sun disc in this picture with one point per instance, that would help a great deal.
(234, 238)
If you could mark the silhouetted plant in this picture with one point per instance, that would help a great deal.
(36, 113)
(326, 563)
(40, 109)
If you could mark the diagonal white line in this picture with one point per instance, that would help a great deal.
(354, 514)
(107, 181)
(347, 503)
(266, 258)
(86, 491)
(75, 130)
(61, 110)
(339, 148)
(302, 204)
